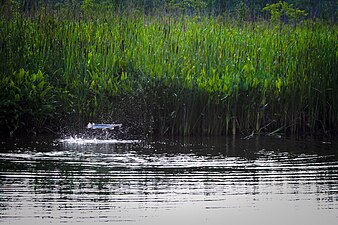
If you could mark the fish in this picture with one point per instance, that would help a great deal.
(103, 126)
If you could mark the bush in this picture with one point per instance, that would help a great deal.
(27, 102)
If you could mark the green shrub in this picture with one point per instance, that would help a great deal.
(27, 101)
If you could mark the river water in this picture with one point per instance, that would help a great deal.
(189, 181)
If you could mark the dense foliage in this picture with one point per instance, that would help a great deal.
(230, 9)
(167, 74)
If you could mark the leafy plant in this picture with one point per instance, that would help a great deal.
(282, 12)
(27, 101)
(176, 75)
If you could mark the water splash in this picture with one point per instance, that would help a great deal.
(83, 141)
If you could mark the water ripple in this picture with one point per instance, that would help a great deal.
(135, 182)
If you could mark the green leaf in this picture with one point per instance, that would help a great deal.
(17, 97)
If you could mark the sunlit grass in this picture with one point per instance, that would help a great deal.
(183, 75)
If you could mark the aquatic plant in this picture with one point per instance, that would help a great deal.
(181, 75)
(27, 102)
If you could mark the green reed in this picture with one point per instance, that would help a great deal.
(182, 75)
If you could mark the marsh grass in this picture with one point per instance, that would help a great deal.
(181, 75)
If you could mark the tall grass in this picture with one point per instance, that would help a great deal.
(182, 75)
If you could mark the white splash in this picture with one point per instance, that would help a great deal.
(76, 140)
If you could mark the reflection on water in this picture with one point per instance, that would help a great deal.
(191, 181)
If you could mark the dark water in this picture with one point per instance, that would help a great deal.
(191, 181)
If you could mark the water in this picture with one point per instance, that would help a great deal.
(191, 181)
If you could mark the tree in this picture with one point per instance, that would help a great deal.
(282, 12)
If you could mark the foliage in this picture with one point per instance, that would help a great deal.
(242, 10)
(27, 101)
(9, 9)
(87, 6)
(187, 5)
(168, 75)
(282, 11)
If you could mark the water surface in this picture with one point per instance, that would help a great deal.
(189, 181)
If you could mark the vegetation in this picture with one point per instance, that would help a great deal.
(181, 73)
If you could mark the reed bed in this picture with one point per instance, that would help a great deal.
(180, 75)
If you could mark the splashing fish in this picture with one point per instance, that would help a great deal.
(103, 126)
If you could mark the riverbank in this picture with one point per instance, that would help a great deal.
(166, 75)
